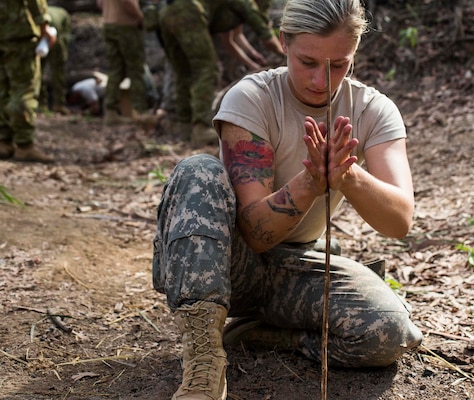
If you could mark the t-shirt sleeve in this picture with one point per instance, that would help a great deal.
(244, 105)
(383, 121)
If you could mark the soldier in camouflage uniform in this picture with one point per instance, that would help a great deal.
(22, 23)
(125, 52)
(231, 29)
(240, 237)
(186, 38)
(56, 60)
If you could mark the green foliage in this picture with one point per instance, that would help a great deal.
(468, 249)
(157, 173)
(393, 283)
(409, 35)
(7, 197)
(390, 75)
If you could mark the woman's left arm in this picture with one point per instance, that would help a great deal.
(383, 194)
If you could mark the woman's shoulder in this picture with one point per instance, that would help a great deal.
(364, 96)
(361, 90)
(257, 86)
(265, 78)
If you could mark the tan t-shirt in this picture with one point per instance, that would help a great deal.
(263, 104)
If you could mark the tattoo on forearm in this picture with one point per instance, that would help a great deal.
(256, 229)
(283, 203)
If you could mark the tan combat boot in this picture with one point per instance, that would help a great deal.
(30, 153)
(6, 149)
(204, 358)
(145, 120)
(61, 109)
(112, 118)
(203, 135)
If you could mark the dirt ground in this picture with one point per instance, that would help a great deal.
(79, 318)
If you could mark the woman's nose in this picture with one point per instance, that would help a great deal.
(319, 78)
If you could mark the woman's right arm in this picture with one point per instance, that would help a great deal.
(265, 217)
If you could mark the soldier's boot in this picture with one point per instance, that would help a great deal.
(260, 334)
(145, 120)
(203, 135)
(30, 153)
(112, 118)
(6, 149)
(204, 358)
(61, 109)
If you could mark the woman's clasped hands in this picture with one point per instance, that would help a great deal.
(338, 150)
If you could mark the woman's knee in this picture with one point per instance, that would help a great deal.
(378, 341)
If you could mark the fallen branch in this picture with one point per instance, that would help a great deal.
(132, 314)
(142, 313)
(58, 323)
(449, 336)
(447, 363)
(14, 358)
(92, 360)
(36, 310)
(77, 279)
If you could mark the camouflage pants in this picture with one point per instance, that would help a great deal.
(200, 255)
(125, 52)
(20, 80)
(56, 61)
(190, 50)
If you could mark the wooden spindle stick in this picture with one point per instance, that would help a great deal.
(327, 277)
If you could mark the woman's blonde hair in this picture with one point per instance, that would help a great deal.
(323, 17)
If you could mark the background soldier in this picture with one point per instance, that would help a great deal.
(125, 52)
(22, 25)
(186, 38)
(56, 62)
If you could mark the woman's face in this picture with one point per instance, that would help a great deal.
(306, 59)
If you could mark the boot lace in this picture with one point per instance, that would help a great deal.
(202, 366)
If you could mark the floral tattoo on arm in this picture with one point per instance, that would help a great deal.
(249, 161)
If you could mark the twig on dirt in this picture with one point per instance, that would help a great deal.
(58, 323)
(13, 357)
(36, 310)
(76, 279)
(234, 396)
(91, 360)
(132, 314)
(32, 332)
(117, 377)
(142, 313)
(447, 363)
(97, 216)
(126, 363)
(241, 369)
(134, 215)
(57, 375)
(289, 369)
(244, 349)
(449, 335)
(127, 216)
